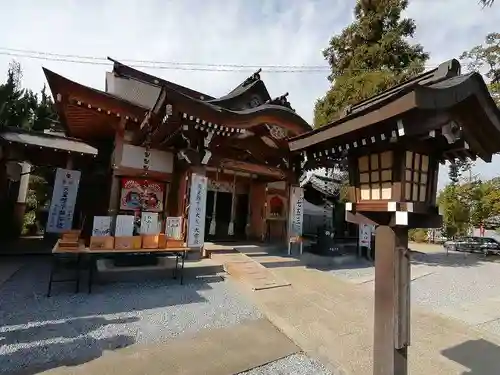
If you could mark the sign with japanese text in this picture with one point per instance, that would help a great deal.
(365, 235)
(173, 227)
(124, 225)
(197, 211)
(150, 223)
(63, 201)
(101, 226)
(296, 211)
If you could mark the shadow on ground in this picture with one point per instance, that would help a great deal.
(479, 356)
(308, 260)
(68, 347)
(39, 333)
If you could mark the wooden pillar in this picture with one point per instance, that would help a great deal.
(114, 192)
(20, 205)
(392, 301)
(230, 228)
(213, 218)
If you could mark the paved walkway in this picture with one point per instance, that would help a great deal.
(332, 320)
(224, 351)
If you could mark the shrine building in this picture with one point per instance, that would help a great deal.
(152, 134)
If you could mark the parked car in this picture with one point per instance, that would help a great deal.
(458, 244)
(485, 245)
(490, 246)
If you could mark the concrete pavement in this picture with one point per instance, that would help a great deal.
(224, 351)
(332, 320)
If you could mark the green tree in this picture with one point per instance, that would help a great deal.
(369, 56)
(486, 58)
(487, 3)
(44, 116)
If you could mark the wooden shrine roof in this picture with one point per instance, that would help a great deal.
(40, 148)
(88, 113)
(420, 107)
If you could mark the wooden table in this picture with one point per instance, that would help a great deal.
(95, 254)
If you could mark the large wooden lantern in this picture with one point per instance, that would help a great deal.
(393, 144)
(396, 184)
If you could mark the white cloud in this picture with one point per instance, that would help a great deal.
(267, 32)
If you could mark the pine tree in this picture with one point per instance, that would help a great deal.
(369, 56)
(44, 113)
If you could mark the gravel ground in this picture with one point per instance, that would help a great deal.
(39, 333)
(296, 364)
(456, 279)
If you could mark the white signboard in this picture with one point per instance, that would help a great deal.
(365, 235)
(197, 210)
(102, 226)
(296, 211)
(62, 205)
(173, 227)
(124, 225)
(149, 223)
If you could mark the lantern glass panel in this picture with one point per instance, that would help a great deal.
(365, 192)
(386, 190)
(416, 176)
(407, 191)
(375, 176)
(363, 164)
(425, 163)
(409, 159)
(386, 160)
(387, 175)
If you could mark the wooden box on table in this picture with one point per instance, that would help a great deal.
(128, 242)
(102, 243)
(150, 241)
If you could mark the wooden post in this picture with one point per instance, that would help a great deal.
(213, 219)
(230, 228)
(392, 301)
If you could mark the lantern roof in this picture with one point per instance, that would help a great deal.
(455, 110)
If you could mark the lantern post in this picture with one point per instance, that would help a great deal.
(393, 143)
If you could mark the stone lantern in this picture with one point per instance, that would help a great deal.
(394, 143)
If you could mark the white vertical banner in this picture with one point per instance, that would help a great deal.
(63, 201)
(197, 211)
(296, 216)
(365, 235)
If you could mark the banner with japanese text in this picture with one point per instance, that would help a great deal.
(63, 201)
(296, 212)
(365, 235)
(197, 211)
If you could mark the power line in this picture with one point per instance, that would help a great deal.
(86, 57)
(165, 65)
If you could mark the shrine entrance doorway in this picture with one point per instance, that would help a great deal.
(223, 208)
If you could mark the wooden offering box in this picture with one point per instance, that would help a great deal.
(128, 243)
(71, 235)
(102, 243)
(150, 241)
(171, 243)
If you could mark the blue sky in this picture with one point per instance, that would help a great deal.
(267, 32)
